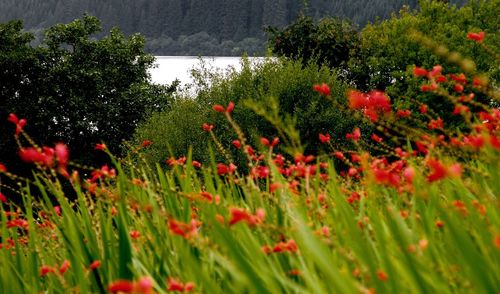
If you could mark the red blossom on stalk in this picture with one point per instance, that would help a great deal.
(135, 234)
(478, 37)
(376, 138)
(207, 127)
(20, 123)
(423, 108)
(402, 113)
(281, 247)
(324, 138)
(196, 164)
(223, 169)
(435, 124)
(144, 285)
(222, 109)
(459, 88)
(121, 286)
(236, 144)
(268, 143)
(177, 286)
(3, 168)
(94, 265)
(3, 198)
(428, 88)
(461, 78)
(420, 72)
(45, 270)
(322, 89)
(372, 103)
(64, 266)
(182, 229)
(440, 171)
(146, 143)
(34, 155)
(381, 275)
(355, 135)
(100, 146)
(241, 214)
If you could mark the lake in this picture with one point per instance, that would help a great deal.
(169, 68)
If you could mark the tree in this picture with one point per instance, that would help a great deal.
(74, 88)
(330, 42)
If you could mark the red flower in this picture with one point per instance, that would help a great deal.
(20, 123)
(236, 144)
(196, 164)
(33, 155)
(372, 103)
(62, 155)
(144, 285)
(95, 264)
(289, 246)
(101, 147)
(428, 88)
(478, 37)
(324, 138)
(436, 71)
(183, 229)
(221, 109)
(322, 89)
(223, 169)
(135, 234)
(269, 144)
(403, 113)
(146, 143)
(207, 128)
(420, 72)
(435, 124)
(64, 266)
(423, 108)
(459, 88)
(461, 78)
(176, 285)
(121, 286)
(230, 107)
(355, 135)
(3, 168)
(45, 270)
(381, 275)
(3, 198)
(339, 155)
(240, 214)
(218, 108)
(376, 138)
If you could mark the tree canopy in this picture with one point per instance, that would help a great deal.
(75, 88)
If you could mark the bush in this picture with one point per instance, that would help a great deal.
(287, 83)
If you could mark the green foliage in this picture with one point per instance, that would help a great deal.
(75, 88)
(388, 47)
(286, 83)
(331, 42)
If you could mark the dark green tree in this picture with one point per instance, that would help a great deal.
(330, 42)
(74, 88)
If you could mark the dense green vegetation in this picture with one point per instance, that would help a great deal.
(75, 89)
(196, 27)
(331, 51)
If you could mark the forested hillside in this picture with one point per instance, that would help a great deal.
(192, 27)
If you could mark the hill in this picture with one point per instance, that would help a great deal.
(195, 27)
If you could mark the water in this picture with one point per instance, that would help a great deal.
(170, 68)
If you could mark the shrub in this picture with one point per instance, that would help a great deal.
(285, 83)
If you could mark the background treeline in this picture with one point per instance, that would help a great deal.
(196, 27)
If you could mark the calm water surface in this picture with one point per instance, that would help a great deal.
(169, 68)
